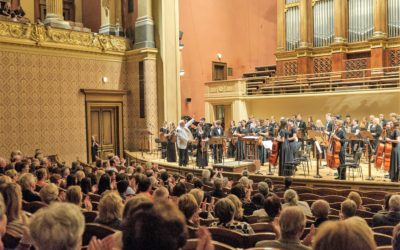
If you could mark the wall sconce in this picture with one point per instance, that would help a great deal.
(182, 72)
(104, 79)
(188, 100)
(219, 56)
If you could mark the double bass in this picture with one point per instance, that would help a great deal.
(332, 152)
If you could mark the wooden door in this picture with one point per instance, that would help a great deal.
(103, 126)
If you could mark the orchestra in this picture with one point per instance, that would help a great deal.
(289, 138)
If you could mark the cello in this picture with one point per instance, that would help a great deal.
(387, 155)
(332, 152)
(273, 157)
(380, 150)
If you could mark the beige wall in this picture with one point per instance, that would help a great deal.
(355, 104)
(243, 31)
(41, 105)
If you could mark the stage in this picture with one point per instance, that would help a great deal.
(233, 169)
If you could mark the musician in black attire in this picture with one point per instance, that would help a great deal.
(355, 129)
(240, 131)
(376, 131)
(171, 143)
(340, 135)
(163, 132)
(271, 127)
(302, 127)
(329, 123)
(231, 145)
(217, 131)
(261, 130)
(202, 145)
(285, 151)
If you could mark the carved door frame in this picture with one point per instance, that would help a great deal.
(95, 98)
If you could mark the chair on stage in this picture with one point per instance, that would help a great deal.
(354, 164)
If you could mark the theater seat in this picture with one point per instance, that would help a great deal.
(11, 239)
(191, 244)
(382, 240)
(386, 230)
(90, 216)
(94, 229)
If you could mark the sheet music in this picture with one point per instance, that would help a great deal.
(251, 137)
(267, 144)
(318, 147)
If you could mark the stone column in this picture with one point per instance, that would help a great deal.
(54, 16)
(144, 26)
(305, 24)
(281, 36)
(380, 18)
(150, 96)
(340, 20)
(78, 11)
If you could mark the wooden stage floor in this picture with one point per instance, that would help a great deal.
(328, 175)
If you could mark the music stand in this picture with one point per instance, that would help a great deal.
(317, 137)
(366, 136)
(143, 134)
(217, 140)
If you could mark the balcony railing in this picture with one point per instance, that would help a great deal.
(341, 81)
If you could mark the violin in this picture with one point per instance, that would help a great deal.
(332, 153)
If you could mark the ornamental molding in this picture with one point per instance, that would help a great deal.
(44, 36)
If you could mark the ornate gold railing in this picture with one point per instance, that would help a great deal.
(40, 35)
(342, 81)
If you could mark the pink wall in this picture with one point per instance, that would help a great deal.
(243, 31)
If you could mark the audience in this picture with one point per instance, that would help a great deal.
(60, 226)
(28, 184)
(49, 193)
(16, 218)
(110, 210)
(390, 218)
(188, 206)
(292, 222)
(354, 196)
(218, 192)
(263, 188)
(320, 210)
(396, 237)
(348, 209)
(225, 211)
(166, 231)
(349, 234)
(292, 199)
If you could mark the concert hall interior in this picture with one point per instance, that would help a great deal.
(101, 100)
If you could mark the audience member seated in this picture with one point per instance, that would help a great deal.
(49, 193)
(104, 184)
(320, 210)
(225, 210)
(272, 208)
(144, 185)
(354, 196)
(386, 203)
(396, 237)
(348, 209)
(391, 218)
(74, 195)
(12, 196)
(86, 186)
(71, 180)
(110, 210)
(41, 175)
(263, 189)
(350, 234)
(292, 199)
(28, 184)
(179, 189)
(160, 194)
(292, 222)
(218, 192)
(60, 226)
(166, 231)
(288, 181)
(238, 207)
(3, 220)
(257, 203)
(189, 207)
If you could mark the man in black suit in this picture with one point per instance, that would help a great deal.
(392, 218)
(217, 131)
